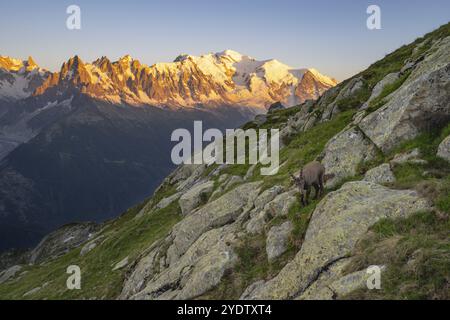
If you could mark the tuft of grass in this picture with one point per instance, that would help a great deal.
(280, 117)
(300, 217)
(416, 251)
(408, 175)
(355, 100)
(394, 61)
(442, 201)
(411, 175)
(236, 169)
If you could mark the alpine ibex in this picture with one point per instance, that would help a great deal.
(311, 175)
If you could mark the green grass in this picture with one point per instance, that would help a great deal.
(300, 216)
(394, 61)
(280, 117)
(416, 251)
(275, 119)
(356, 100)
(124, 237)
(408, 175)
(236, 169)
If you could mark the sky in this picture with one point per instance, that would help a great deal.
(330, 36)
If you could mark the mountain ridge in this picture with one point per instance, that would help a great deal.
(19, 78)
(223, 78)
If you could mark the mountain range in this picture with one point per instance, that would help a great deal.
(224, 78)
(92, 139)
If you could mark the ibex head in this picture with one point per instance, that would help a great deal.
(299, 181)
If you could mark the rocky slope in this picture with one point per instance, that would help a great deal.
(225, 231)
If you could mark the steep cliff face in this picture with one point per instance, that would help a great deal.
(225, 231)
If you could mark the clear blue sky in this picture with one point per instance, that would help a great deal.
(328, 35)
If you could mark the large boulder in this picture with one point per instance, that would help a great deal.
(144, 269)
(268, 207)
(195, 196)
(421, 103)
(266, 196)
(352, 87)
(344, 152)
(281, 204)
(257, 222)
(444, 149)
(337, 223)
(337, 285)
(183, 172)
(277, 238)
(381, 174)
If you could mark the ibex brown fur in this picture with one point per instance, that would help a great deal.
(311, 175)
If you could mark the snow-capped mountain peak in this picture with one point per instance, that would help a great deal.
(213, 79)
(16, 65)
(19, 78)
(231, 54)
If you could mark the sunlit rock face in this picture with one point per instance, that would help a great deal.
(19, 79)
(216, 79)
